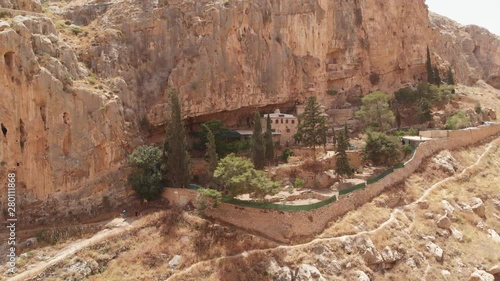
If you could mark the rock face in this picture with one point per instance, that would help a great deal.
(61, 140)
(67, 140)
(224, 56)
(473, 52)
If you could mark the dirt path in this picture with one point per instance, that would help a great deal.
(120, 226)
(391, 219)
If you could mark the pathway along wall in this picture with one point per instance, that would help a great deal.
(293, 227)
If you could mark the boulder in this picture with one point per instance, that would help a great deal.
(446, 274)
(175, 261)
(448, 207)
(278, 273)
(435, 250)
(372, 256)
(495, 270)
(481, 275)
(478, 208)
(494, 235)
(457, 234)
(423, 204)
(443, 222)
(309, 273)
(429, 215)
(361, 276)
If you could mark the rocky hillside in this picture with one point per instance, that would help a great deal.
(79, 77)
(472, 51)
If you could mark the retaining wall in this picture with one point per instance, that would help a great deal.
(287, 227)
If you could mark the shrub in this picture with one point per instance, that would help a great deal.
(458, 120)
(477, 108)
(298, 183)
(146, 179)
(331, 92)
(381, 149)
(205, 194)
(286, 154)
(238, 175)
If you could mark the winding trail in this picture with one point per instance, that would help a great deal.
(38, 269)
(391, 219)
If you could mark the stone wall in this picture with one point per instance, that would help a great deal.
(287, 227)
(434, 134)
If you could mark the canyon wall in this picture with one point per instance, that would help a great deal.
(227, 55)
(64, 141)
(67, 137)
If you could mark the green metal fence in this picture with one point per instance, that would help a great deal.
(280, 207)
(293, 208)
(352, 188)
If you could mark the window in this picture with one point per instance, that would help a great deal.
(286, 121)
(293, 121)
(287, 130)
(276, 121)
(281, 121)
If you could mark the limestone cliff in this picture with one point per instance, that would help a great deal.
(67, 136)
(226, 55)
(472, 51)
(63, 140)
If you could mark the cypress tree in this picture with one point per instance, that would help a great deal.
(428, 65)
(268, 138)
(450, 79)
(211, 153)
(312, 126)
(343, 167)
(177, 162)
(398, 118)
(437, 77)
(258, 146)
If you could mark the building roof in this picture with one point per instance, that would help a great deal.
(243, 133)
(280, 115)
(416, 138)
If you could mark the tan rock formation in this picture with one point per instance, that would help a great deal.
(226, 56)
(63, 141)
(473, 52)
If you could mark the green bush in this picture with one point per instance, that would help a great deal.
(146, 178)
(286, 154)
(381, 149)
(298, 183)
(457, 121)
(207, 193)
(331, 92)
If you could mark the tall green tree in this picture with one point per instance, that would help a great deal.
(375, 112)
(312, 126)
(211, 153)
(146, 177)
(437, 76)
(381, 149)
(219, 131)
(258, 146)
(343, 167)
(398, 118)
(238, 175)
(450, 79)
(428, 66)
(177, 161)
(268, 139)
(424, 113)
